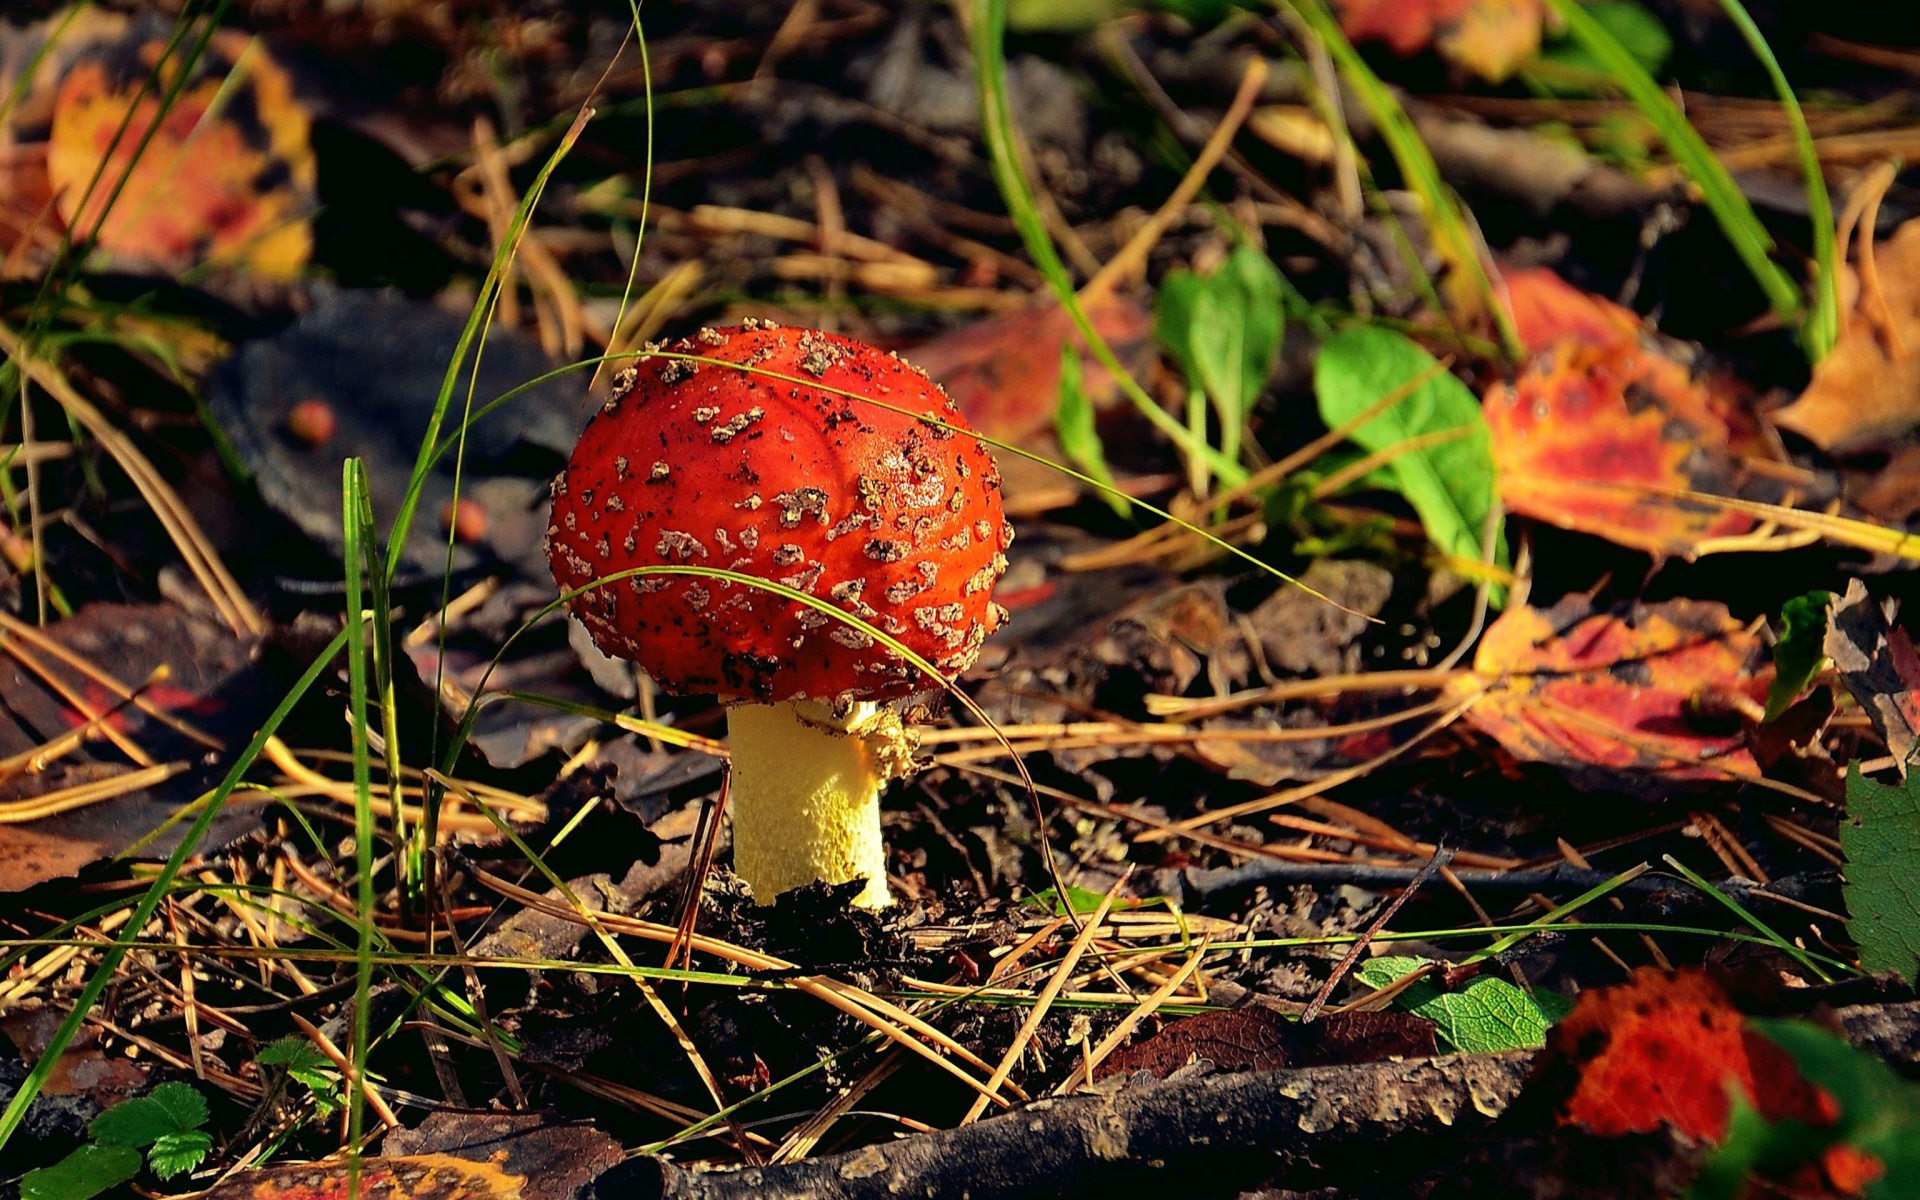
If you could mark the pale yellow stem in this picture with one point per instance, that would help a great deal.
(805, 795)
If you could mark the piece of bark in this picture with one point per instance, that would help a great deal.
(1156, 1139)
(1223, 1125)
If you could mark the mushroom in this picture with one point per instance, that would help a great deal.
(892, 517)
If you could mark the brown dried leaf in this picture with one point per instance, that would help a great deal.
(1868, 388)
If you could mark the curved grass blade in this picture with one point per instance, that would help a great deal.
(1749, 238)
(1823, 316)
(357, 520)
(1447, 227)
(996, 120)
(1767, 931)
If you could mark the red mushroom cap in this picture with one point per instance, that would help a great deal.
(878, 513)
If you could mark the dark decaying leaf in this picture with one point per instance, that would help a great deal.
(557, 1159)
(376, 362)
(1257, 1038)
(1878, 664)
(215, 682)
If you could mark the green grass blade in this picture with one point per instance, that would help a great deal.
(1444, 222)
(357, 518)
(1766, 931)
(1823, 316)
(1548, 918)
(996, 120)
(477, 321)
(16, 1110)
(1729, 206)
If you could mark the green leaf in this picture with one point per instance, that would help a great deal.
(179, 1152)
(1881, 840)
(1879, 1114)
(1800, 652)
(169, 1108)
(292, 1052)
(1879, 1110)
(1638, 31)
(184, 1105)
(1224, 330)
(1083, 901)
(1073, 425)
(1483, 1016)
(85, 1173)
(1450, 485)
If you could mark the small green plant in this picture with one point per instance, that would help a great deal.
(165, 1123)
(1801, 650)
(306, 1065)
(1449, 480)
(1223, 330)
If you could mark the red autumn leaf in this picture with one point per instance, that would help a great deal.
(1665, 1049)
(1488, 37)
(420, 1177)
(231, 184)
(1004, 372)
(1616, 690)
(1599, 409)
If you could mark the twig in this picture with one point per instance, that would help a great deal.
(1419, 880)
(1133, 256)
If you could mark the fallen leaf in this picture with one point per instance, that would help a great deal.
(1878, 664)
(1783, 1100)
(1488, 37)
(214, 683)
(1253, 1038)
(82, 1069)
(1614, 689)
(1867, 389)
(375, 362)
(1004, 372)
(1881, 839)
(557, 1159)
(1601, 405)
(1664, 1049)
(418, 1177)
(225, 175)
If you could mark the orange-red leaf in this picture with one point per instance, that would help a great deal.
(1004, 372)
(1488, 37)
(1600, 408)
(223, 178)
(1665, 1049)
(1617, 690)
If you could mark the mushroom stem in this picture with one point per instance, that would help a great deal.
(806, 794)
